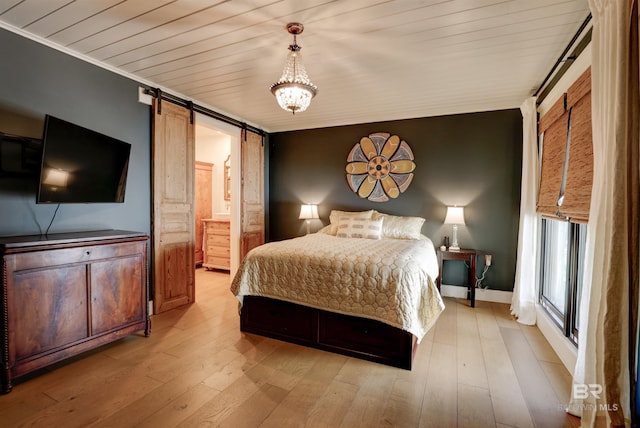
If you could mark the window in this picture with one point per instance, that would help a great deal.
(564, 198)
(562, 258)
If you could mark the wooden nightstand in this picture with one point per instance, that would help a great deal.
(465, 255)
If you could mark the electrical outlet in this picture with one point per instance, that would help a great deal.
(487, 259)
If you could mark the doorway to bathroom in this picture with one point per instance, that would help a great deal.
(173, 241)
(216, 195)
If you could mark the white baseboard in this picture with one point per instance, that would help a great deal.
(484, 294)
(567, 351)
(453, 291)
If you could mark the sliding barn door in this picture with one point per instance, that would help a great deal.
(252, 191)
(173, 214)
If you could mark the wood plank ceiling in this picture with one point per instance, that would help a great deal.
(373, 60)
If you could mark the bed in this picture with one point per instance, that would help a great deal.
(364, 286)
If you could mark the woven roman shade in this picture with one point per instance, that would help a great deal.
(553, 129)
(566, 174)
(579, 178)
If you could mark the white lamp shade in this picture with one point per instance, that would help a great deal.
(308, 211)
(455, 215)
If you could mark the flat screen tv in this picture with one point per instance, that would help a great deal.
(80, 165)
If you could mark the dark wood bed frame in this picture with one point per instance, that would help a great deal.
(347, 335)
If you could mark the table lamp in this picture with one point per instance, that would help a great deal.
(308, 212)
(455, 216)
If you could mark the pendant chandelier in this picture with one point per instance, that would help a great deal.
(294, 90)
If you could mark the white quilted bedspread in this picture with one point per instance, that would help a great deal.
(389, 280)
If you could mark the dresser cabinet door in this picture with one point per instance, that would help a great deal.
(51, 309)
(117, 293)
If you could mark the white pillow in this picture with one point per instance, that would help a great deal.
(359, 227)
(325, 230)
(400, 227)
(335, 215)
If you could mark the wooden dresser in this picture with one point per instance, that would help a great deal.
(63, 294)
(217, 239)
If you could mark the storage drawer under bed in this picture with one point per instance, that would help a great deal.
(278, 319)
(370, 337)
(348, 335)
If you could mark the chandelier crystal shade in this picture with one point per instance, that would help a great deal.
(294, 90)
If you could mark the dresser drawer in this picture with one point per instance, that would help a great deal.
(214, 251)
(218, 263)
(64, 256)
(218, 227)
(218, 240)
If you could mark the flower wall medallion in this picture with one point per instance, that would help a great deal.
(380, 167)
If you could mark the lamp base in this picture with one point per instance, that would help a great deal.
(454, 244)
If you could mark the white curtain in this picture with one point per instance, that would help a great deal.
(603, 351)
(523, 302)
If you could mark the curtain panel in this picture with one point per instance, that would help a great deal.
(608, 321)
(523, 303)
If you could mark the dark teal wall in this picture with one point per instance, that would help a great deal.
(473, 160)
(36, 80)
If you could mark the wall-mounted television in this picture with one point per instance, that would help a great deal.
(80, 165)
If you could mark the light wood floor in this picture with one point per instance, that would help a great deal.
(476, 368)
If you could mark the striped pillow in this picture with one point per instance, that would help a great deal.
(359, 227)
(334, 218)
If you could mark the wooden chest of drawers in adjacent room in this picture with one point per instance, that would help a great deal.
(217, 237)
